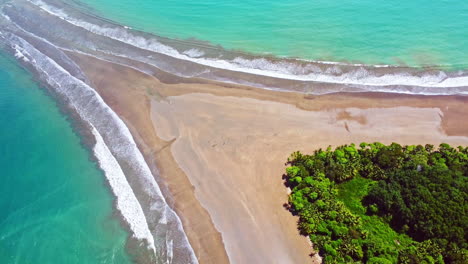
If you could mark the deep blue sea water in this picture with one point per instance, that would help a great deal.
(55, 206)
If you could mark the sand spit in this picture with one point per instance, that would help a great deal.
(221, 149)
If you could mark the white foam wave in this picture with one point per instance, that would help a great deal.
(111, 129)
(127, 203)
(170, 246)
(126, 200)
(19, 54)
(194, 53)
(265, 67)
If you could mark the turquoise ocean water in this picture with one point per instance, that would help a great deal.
(55, 206)
(417, 33)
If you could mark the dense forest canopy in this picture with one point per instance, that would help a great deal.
(383, 204)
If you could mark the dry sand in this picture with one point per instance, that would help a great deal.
(221, 149)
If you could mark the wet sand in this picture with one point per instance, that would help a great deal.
(221, 149)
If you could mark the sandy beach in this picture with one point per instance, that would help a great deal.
(221, 149)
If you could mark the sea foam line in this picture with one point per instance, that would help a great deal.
(262, 66)
(127, 203)
(127, 149)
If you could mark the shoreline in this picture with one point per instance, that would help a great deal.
(226, 65)
(139, 93)
(139, 249)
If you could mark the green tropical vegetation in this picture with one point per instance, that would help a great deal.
(381, 203)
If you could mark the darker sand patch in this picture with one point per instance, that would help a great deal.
(345, 115)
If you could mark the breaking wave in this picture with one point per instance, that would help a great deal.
(115, 149)
(373, 77)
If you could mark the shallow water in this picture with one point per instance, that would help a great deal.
(70, 28)
(55, 206)
(156, 231)
(399, 32)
